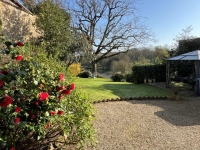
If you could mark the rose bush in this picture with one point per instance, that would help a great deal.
(39, 106)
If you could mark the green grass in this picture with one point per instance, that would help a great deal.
(102, 88)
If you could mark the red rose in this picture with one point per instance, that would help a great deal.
(18, 109)
(17, 120)
(53, 112)
(58, 88)
(7, 101)
(62, 76)
(72, 86)
(36, 103)
(19, 58)
(20, 44)
(43, 96)
(12, 148)
(60, 112)
(1, 84)
(65, 92)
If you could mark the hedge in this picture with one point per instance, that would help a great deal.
(151, 71)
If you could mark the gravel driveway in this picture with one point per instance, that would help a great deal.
(148, 125)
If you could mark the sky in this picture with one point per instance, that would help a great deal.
(167, 18)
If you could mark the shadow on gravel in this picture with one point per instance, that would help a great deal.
(180, 113)
(185, 112)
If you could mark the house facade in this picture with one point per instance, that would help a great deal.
(17, 21)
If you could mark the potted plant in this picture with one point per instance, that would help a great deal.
(145, 80)
(149, 80)
(176, 87)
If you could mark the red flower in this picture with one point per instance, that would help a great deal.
(53, 112)
(43, 96)
(7, 101)
(59, 97)
(12, 148)
(32, 116)
(48, 124)
(72, 86)
(58, 88)
(17, 120)
(18, 109)
(1, 84)
(20, 44)
(41, 86)
(30, 113)
(19, 58)
(65, 92)
(1, 72)
(62, 76)
(60, 112)
(36, 103)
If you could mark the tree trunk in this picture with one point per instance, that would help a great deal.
(94, 69)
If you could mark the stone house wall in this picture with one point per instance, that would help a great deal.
(17, 21)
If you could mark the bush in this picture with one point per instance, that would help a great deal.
(85, 74)
(129, 77)
(117, 77)
(75, 69)
(99, 76)
(39, 106)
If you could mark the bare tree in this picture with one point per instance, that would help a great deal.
(111, 27)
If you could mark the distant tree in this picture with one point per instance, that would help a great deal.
(123, 66)
(161, 54)
(77, 50)
(185, 42)
(111, 27)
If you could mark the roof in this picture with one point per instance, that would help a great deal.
(194, 55)
(16, 4)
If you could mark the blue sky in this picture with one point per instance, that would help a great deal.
(167, 18)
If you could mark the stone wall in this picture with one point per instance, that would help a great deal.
(17, 24)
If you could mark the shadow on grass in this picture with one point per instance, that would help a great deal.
(135, 90)
(180, 113)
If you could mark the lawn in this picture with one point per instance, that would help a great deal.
(104, 88)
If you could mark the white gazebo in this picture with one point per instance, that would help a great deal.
(191, 56)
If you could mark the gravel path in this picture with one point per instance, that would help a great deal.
(148, 125)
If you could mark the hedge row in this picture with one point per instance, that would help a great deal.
(158, 72)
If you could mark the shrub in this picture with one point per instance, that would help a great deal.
(99, 76)
(117, 77)
(85, 74)
(39, 106)
(129, 77)
(75, 69)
